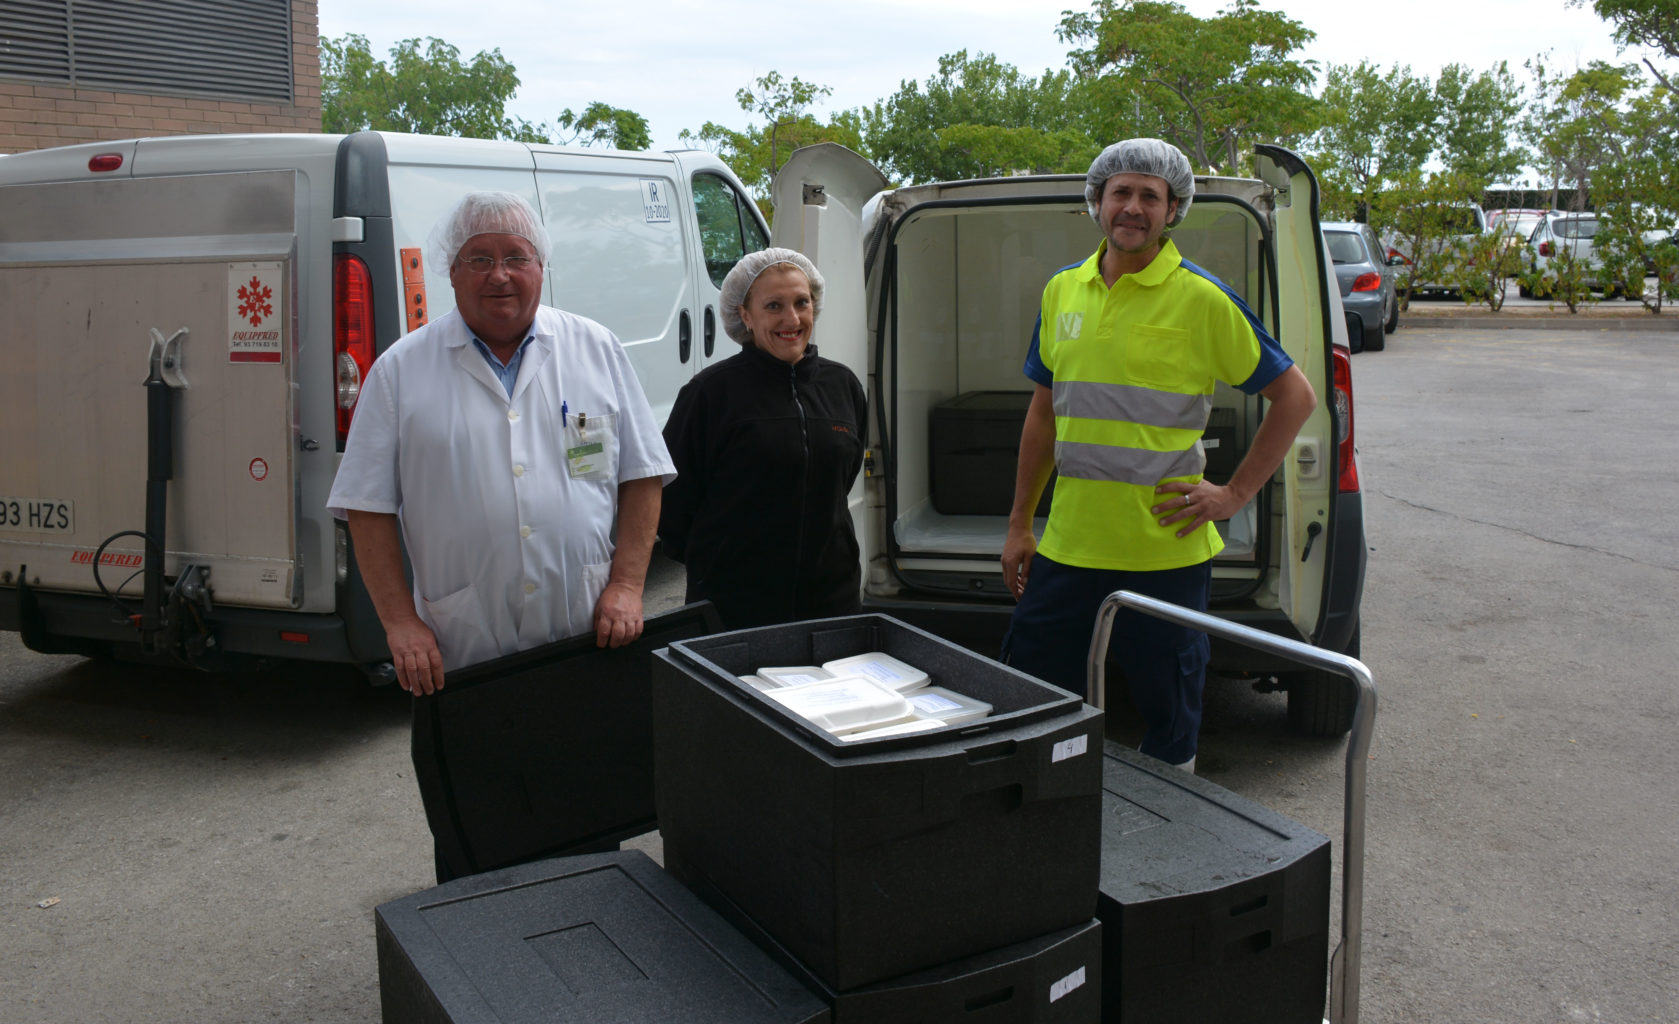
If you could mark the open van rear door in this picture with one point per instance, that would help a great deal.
(1304, 283)
(819, 195)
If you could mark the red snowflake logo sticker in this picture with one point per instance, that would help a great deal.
(253, 301)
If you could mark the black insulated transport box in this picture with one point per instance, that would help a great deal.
(1051, 979)
(603, 938)
(1213, 908)
(546, 751)
(973, 445)
(874, 859)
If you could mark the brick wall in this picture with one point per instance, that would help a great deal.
(35, 115)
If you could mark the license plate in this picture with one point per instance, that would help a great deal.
(37, 515)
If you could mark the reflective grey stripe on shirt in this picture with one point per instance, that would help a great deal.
(1129, 404)
(1084, 461)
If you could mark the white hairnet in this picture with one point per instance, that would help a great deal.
(485, 213)
(1142, 156)
(739, 283)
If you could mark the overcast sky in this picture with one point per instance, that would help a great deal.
(678, 63)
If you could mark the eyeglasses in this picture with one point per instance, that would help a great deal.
(484, 264)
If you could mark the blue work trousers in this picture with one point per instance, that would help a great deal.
(1165, 665)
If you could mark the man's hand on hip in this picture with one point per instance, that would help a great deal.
(618, 615)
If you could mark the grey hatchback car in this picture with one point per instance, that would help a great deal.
(1368, 282)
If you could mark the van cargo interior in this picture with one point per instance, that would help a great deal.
(965, 282)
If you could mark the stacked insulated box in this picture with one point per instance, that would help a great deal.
(926, 877)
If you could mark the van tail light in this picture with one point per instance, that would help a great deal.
(1545, 249)
(1395, 254)
(352, 335)
(1347, 478)
(1367, 282)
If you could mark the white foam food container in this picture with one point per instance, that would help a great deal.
(897, 729)
(845, 704)
(882, 668)
(759, 683)
(794, 675)
(947, 707)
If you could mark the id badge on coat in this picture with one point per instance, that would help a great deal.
(588, 444)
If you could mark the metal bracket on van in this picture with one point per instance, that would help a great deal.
(815, 195)
(164, 360)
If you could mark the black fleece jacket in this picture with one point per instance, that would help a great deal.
(766, 452)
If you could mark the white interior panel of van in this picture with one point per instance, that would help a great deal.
(968, 287)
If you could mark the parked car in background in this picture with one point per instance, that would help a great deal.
(1446, 229)
(1368, 281)
(1515, 225)
(1574, 233)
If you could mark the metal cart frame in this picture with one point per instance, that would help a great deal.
(1344, 965)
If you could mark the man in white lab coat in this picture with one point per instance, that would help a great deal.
(501, 443)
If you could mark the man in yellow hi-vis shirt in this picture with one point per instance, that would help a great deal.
(1125, 357)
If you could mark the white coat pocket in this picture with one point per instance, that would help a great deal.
(591, 447)
(585, 595)
(463, 630)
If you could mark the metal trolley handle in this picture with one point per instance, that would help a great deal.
(1344, 965)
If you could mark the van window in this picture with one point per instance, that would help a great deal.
(728, 230)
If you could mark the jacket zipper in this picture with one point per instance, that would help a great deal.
(804, 485)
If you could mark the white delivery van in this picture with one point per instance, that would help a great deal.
(186, 325)
(932, 292)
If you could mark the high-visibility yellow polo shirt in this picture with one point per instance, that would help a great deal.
(1132, 369)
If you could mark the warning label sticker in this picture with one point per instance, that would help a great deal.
(254, 312)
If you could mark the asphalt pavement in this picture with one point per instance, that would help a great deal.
(183, 848)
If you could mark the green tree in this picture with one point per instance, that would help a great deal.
(426, 90)
(606, 125)
(1473, 116)
(1377, 128)
(978, 117)
(1211, 86)
(1651, 23)
(756, 153)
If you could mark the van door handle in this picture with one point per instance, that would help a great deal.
(710, 331)
(685, 337)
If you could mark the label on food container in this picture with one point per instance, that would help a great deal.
(1066, 985)
(1069, 748)
(932, 703)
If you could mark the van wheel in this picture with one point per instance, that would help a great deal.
(1322, 703)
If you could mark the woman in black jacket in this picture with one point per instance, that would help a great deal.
(767, 445)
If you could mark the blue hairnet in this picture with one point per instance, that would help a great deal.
(1142, 156)
(485, 213)
(739, 284)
